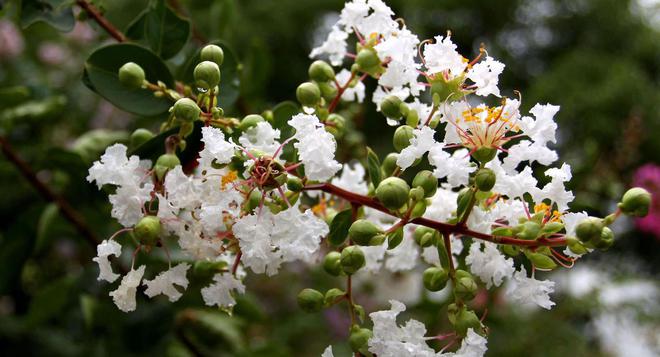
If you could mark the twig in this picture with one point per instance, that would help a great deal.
(94, 13)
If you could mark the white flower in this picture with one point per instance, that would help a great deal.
(220, 292)
(443, 204)
(512, 185)
(103, 251)
(555, 190)
(527, 291)
(455, 167)
(124, 296)
(182, 191)
(421, 142)
(526, 150)
(216, 148)
(473, 345)
(485, 76)
(491, 266)
(352, 179)
(391, 340)
(571, 220)
(316, 147)
(328, 352)
(379, 21)
(334, 46)
(541, 129)
(381, 93)
(355, 91)
(165, 281)
(442, 56)
(127, 203)
(404, 256)
(261, 137)
(353, 13)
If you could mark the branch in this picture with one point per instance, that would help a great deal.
(94, 13)
(340, 91)
(440, 226)
(67, 211)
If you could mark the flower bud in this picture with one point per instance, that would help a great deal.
(435, 279)
(321, 71)
(165, 163)
(310, 300)
(464, 320)
(392, 192)
(576, 247)
(484, 154)
(402, 136)
(254, 199)
(418, 209)
(332, 263)
(416, 193)
(186, 109)
(250, 121)
(465, 287)
(392, 107)
(425, 236)
(589, 229)
(212, 53)
(464, 202)
(147, 230)
(140, 136)
(510, 250)
(131, 75)
(359, 339)
(308, 94)
(389, 163)
(426, 181)
(335, 124)
(362, 231)
(552, 227)
(485, 179)
(332, 296)
(294, 184)
(636, 202)
(207, 75)
(528, 230)
(606, 239)
(328, 90)
(541, 261)
(352, 259)
(412, 118)
(367, 59)
(394, 238)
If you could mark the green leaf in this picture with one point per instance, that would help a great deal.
(230, 83)
(50, 300)
(56, 13)
(282, 112)
(161, 29)
(339, 227)
(373, 166)
(101, 76)
(223, 328)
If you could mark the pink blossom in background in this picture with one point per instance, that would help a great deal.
(648, 176)
(11, 40)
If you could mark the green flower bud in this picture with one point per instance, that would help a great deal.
(485, 179)
(529, 230)
(412, 118)
(416, 193)
(552, 227)
(212, 53)
(333, 295)
(394, 238)
(310, 300)
(402, 136)
(335, 124)
(378, 239)
(207, 75)
(367, 59)
(465, 287)
(510, 250)
(447, 90)
(332, 263)
(389, 163)
(186, 109)
(606, 239)
(328, 90)
(321, 71)
(308, 94)
(464, 320)
(392, 192)
(140, 136)
(589, 229)
(165, 163)
(294, 184)
(147, 230)
(426, 181)
(425, 236)
(352, 259)
(362, 231)
(484, 154)
(576, 247)
(250, 121)
(464, 201)
(541, 261)
(131, 75)
(435, 279)
(393, 107)
(418, 209)
(359, 339)
(636, 202)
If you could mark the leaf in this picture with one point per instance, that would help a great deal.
(223, 329)
(339, 227)
(282, 112)
(373, 166)
(161, 29)
(230, 83)
(155, 146)
(56, 13)
(50, 300)
(101, 76)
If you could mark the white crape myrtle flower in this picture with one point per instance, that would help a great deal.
(327, 352)
(514, 184)
(334, 46)
(124, 296)
(182, 190)
(421, 142)
(103, 251)
(491, 266)
(391, 340)
(456, 167)
(316, 147)
(571, 220)
(443, 204)
(378, 21)
(352, 93)
(404, 256)
(528, 291)
(216, 148)
(165, 281)
(193, 243)
(127, 203)
(485, 76)
(381, 93)
(373, 257)
(473, 345)
(542, 128)
(442, 57)
(352, 178)
(261, 137)
(480, 220)
(353, 13)
(555, 190)
(400, 49)
(220, 291)
(526, 150)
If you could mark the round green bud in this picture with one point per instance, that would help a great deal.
(418, 209)
(435, 279)
(212, 53)
(425, 236)
(335, 124)
(186, 109)
(394, 238)
(484, 154)
(308, 94)
(606, 239)
(576, 247)
(333, 296)
(464, 320)
(147, 230)
(367, 59)
(510, 250)
(541, 261)
(416, 193)
(636, 202)
(392, 192)
(321, 71)
(310, 300)
(294, 184)
(485, 179)
(352, 259)
(207, 75)
(391, 107)
(362, 231)
(359, 339)
(250, 121)
(165, 163)
(328, 90)
(140, 136)
(131, 75)
(389, 163)
(589, 229)
(426, 181)
(254, 199)
(402, 136)
(466, 287)
(412, 118)
(529, 230)
(332, 263)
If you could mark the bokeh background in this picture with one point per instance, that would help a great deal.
(598, 59)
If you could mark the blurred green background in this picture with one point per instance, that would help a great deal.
(598, 59)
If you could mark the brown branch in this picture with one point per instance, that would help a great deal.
(94, 13)
(340, 91)
(440, 226)
(67, 210)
